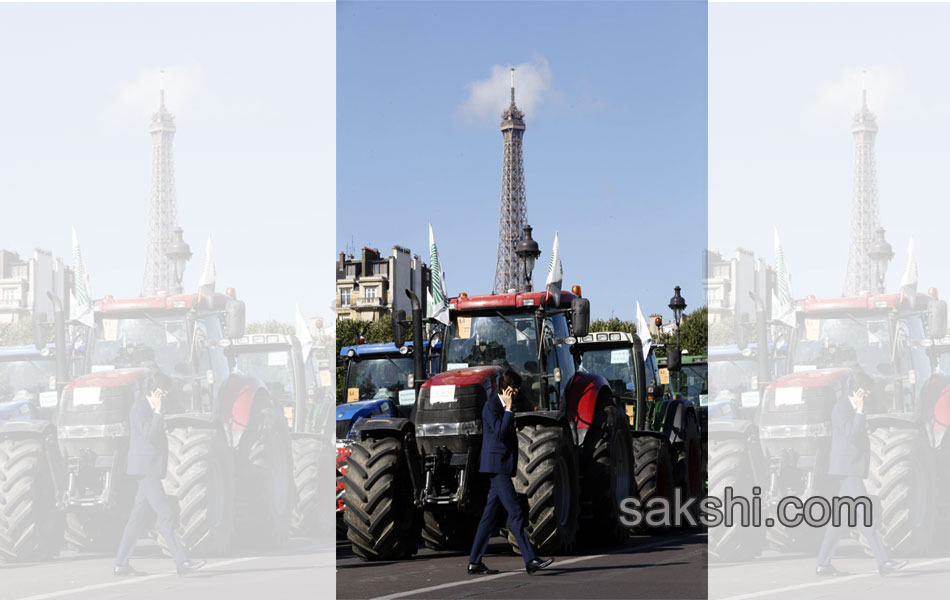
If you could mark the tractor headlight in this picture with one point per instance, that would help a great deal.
(439, 429)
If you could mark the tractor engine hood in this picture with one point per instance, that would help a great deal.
(450, 406)
(799, 405)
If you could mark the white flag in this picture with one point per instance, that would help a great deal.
(909, 277)
(783, 303)
(555, 274)
(207, 280)
(438, 297)
(302, 331)
(80, 300)
(643, 329)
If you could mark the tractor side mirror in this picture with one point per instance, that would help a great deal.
(40, 330)
(580, 316)
(937, 322)
(234, 318)
(674, 360)
(399, 328)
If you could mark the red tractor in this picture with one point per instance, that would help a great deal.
(230, 462)
(419, 475)
(887, 337)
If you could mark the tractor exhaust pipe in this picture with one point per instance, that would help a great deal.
(418, 350)
(59, 333)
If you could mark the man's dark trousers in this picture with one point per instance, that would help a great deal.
(147, 463)
(150, 497)
(852, 487)
(497, 459)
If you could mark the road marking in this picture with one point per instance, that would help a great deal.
(132, 580)
(473, 579)
(829, 581)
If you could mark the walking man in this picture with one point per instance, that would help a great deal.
(147, 463)
(499, 451)
(849, 462)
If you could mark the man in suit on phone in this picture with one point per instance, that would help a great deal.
(147, 464)
(849, 461)
(499, 452)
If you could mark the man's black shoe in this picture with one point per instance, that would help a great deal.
(537, 564)
(190, 566)
(829, 571)
(891, 566)
(480, 569)
(126, 571)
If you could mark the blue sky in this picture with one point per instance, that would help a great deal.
(615, 146)
(780, 133)
(252, 90)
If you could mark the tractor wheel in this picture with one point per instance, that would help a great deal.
(307, 511)
(548, 475)
(31, 527)
(201, 476)
(608, 480)
(688, 462)
(730, 466)
(266, 485)
(654, 470)
(902, 476)
(381, 521)
(448, 530)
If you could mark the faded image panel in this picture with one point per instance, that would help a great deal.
(166, 343)
(828, 335)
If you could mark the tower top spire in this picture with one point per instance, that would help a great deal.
(161, 88)
(512, 86)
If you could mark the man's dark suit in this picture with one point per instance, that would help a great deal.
(498, 459)
(147, 463)
(849, 461)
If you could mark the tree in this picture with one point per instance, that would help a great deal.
(271, 326)
(694, 333)
(613, 324)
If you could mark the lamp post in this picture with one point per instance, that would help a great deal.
(178, 252)
(880, 253)
(677, 305)
(527, 250)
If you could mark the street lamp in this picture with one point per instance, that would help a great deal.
(178, 252)
(527, 250)
(677, 305)
(881, 253)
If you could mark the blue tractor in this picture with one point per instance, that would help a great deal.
(379, 383)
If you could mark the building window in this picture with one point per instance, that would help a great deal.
(370, 292)
(345, 297)
(9, 295)
(381, 269)
(351, 270)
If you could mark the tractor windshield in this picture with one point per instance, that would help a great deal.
(26, 379)
(274, 367)
(380, 376)
(732, 377)
(148, 341)
(509, 341)
(615, 365)
(846, 341)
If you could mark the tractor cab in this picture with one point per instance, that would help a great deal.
(384, 372)
(733, 382)
(28, 387)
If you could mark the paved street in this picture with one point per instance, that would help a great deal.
(668, 566)
(295, 572)
(792, 577)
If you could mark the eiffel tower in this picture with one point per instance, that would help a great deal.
(864, 206)
(162, 213)
(509, 272)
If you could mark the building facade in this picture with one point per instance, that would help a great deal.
(25, 282)
(372, 285)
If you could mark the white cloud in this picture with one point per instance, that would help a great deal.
(844, 94)
(139, 99)
(488, 98)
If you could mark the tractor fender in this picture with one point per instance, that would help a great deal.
(898, 420)
(381, 426)
(236, 398)
(674, 418)
(583, 392)
(26, 428)
(198, 420)
(936, 402)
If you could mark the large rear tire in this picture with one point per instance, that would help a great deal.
(266, 485)
(548, 474)
(653, 459)
(903, 477)
(31, 527)
(730, 466)
(201, 476)
(382, 522)
(608, 480)
(307, 510)
(688, 462)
